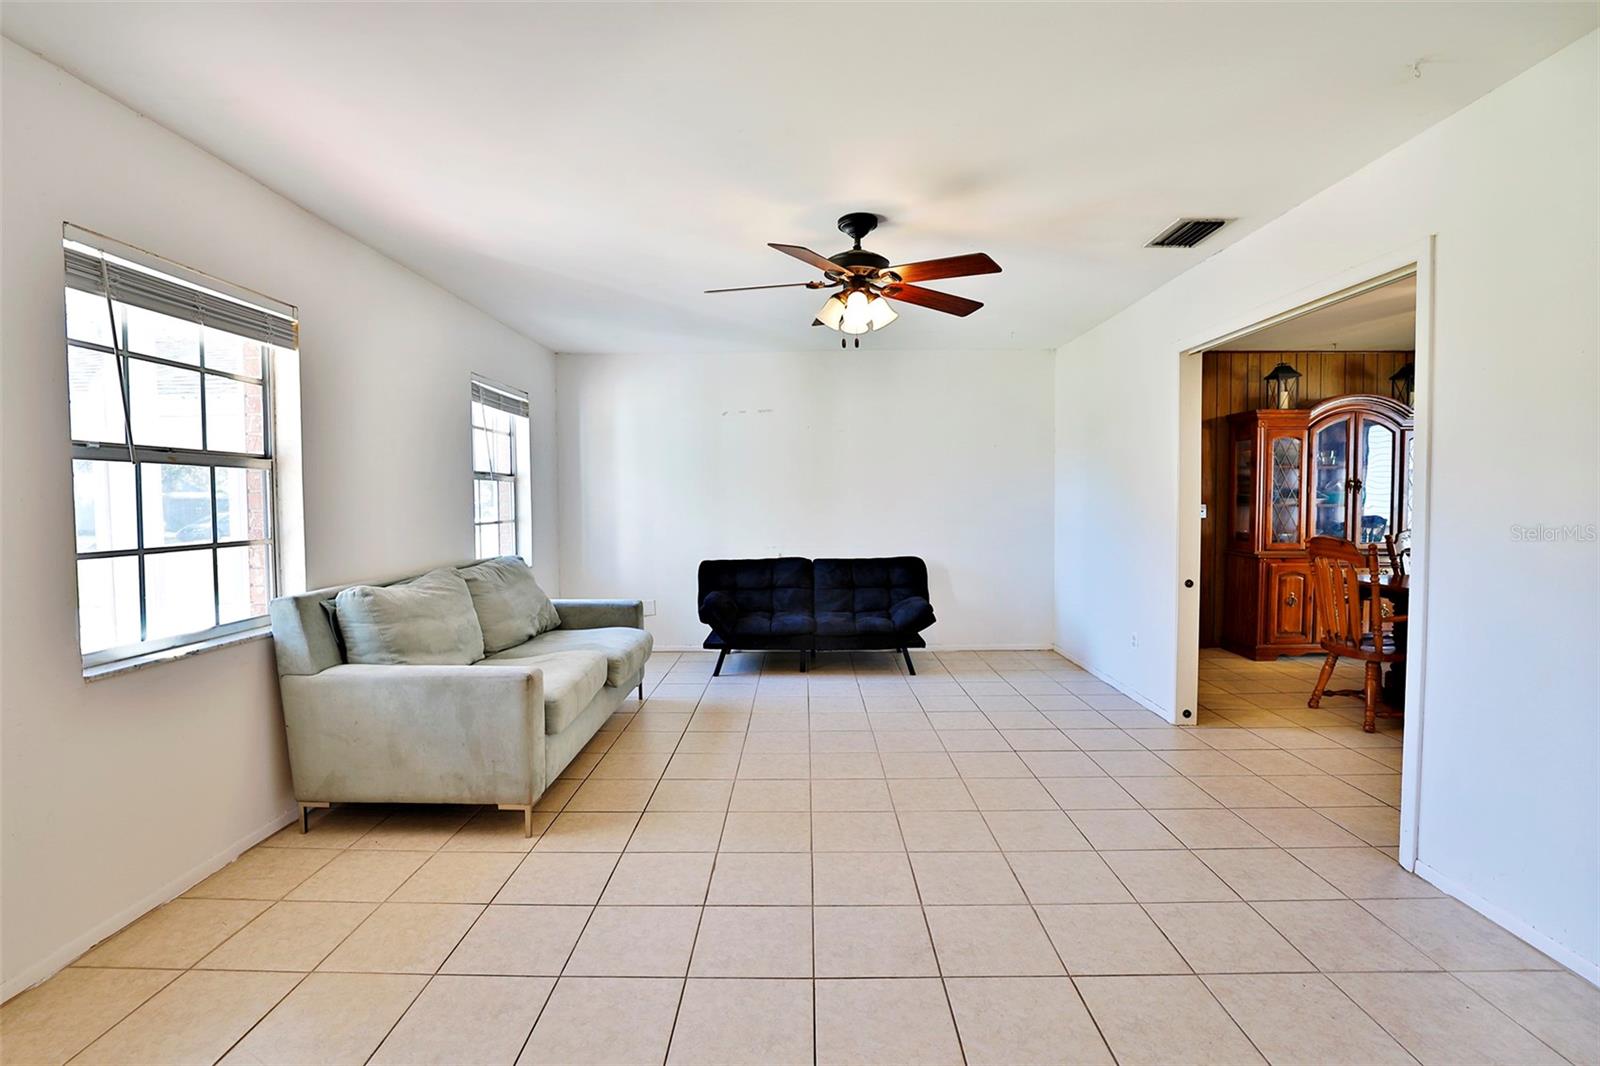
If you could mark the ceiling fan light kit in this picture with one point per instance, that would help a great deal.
(866, 282)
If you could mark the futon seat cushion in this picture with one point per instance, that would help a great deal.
(571, 680)
(623, 649)
(756, 598)
(871, 597)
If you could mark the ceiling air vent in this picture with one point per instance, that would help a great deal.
(1187, 232)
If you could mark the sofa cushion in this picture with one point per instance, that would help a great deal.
(856, 597)
(571, 680)
(624, 649)
(765, 590)
(510, 604)
(428, 620)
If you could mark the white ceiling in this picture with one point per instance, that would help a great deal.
(582, 171)
(1379, 320)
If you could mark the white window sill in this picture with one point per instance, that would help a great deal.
(167, 655)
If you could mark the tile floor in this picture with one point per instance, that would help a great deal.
(1001, 860)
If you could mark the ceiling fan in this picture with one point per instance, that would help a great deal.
(867, 283)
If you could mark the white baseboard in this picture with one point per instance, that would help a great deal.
(930, 647)
(56, 960)
(1588, 969)
(1151, 705)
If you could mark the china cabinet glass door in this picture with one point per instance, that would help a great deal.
(1284, 481)
(1376, 497)
(1243, 488)
(1329, 500)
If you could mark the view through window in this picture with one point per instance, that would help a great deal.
(500, 484)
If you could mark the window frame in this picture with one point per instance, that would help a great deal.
(139, 456)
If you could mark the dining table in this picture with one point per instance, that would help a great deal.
(1396, 588)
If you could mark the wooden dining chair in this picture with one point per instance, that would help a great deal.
(1399, 550)
(1350, 624)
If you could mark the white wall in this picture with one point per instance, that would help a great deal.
(668, 460)
(1510, 806)
(119, 793)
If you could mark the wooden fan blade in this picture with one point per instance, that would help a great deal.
(787, 285)
(955, 266)
(806, 255)
(937, 301)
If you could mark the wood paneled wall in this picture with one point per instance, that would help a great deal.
(1230, 382)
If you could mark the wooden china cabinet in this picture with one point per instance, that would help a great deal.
(1339, 469)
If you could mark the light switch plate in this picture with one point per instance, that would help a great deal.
(649, 608)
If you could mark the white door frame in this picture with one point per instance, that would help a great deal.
(1414, 259)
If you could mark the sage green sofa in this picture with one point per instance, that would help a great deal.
(498, 731)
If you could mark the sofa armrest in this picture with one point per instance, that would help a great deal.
(600, 614)
(912, 615)
(719, 611)
(418, 734)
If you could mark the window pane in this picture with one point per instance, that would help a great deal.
(488, 509)
(94, 396)
(152, 333)
(233, 353)
(488, 542)
(508, 538)
(88, 318)
(479, 419)
(177, 504)
(102, 498)
(166, 405)
(241, 582)
(241, 503)
(480, 450)
(178, 593)
(502, 453)
(235, 416)
(108, 603)
(508, 500)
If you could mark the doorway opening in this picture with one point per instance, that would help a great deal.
(1303, 445)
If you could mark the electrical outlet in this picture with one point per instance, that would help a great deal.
(1202, 510)
(649, 608)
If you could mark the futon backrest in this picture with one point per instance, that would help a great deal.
(761, 586)
(868, 586)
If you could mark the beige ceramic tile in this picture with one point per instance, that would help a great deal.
(612, 794)
(288, 936)
(338, 827)
(1266, 874)
(873, 942)
(1339, 935)
(866, 1022)
(691, 796)
(263, 873)
(766, 796)
(1378, 826)
(1211, 829)
(403, 938)
(1438, 1019)
(518, 941)
(1123, 830)
(1237, 792)
(1113, 938)
(361, 876)
(329, 1018)
(458, 877)
(1167, 877)
(1457, 937)
(1004, 1021)
(604, 1021)
(559, 877)
(583, 831)
(1149, 1020)
(921, 794)
(645, 878)
(1009, 794)
(760, 879)
(1298, 828)
(946, 831)
(1034, 831)
(1558, 1008)
(728, 1021)
(1066, 877)
(753, 942)
(965, 877)
(855, 831)
(465, 1019)
(677, 831)
(766, 831)
(1089, 794)
(1364, 873)
(860, 794)
(1304, 1018)
(1225, 938)
(862, 879)
(56, 1020)
(991, 942)
(176, 935)
(644, 765)
(635, 942)
(1321, 790)
(1168, 793)
(415, 829)
(496, 830)
(195, 1019)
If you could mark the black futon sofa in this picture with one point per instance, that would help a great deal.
(810, 606)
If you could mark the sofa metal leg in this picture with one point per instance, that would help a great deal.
(720, 658)
(527, 815)
(912, 670)
(641, 692)
(306, 807)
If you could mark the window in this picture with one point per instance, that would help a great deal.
(499, 471)
(170, 407)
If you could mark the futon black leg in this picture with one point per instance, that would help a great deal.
(912, 670)
(718, 671)
(803, 659)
